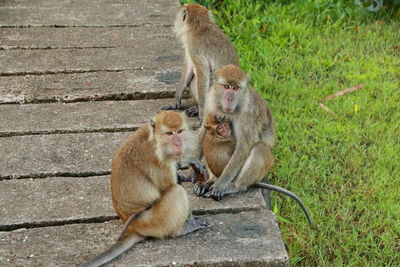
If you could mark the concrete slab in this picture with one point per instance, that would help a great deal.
(101, 85)
(242, 239)
(83, 37)
(78, 117)
(58, 154)
(86, 13)
(64, 200)
(153, 55)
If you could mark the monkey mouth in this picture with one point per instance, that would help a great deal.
(224, 136)
(228, 109)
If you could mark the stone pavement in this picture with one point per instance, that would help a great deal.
(76, 79)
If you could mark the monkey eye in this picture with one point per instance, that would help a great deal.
(169, 133)
(226, 86)
(179, 131)
(236, 87)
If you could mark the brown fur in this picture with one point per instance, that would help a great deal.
(206, 50)
(144, 185)
(219, 150)
(253, 130)
(140, 178)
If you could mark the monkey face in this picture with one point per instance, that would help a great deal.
(230, 88)
(229, 97)
(219, 127)
(224, 130)
(168, 129)
(175, 142)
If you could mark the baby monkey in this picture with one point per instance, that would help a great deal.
(219, 146)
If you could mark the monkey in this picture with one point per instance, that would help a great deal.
(218, 146)
(206, 50)
(232, 98)
(144, 189)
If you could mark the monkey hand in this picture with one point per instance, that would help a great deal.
(202, 189)
(199, 171)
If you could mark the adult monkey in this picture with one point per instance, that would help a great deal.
(218, 146)
(230, 97)
(144, 186)
(206, 50)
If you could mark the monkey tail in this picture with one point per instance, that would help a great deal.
(286, 192)
(114, 251)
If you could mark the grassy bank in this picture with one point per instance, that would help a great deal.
(345, 168)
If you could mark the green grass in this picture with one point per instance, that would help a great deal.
(346, 169)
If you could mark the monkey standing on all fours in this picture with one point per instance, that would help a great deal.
(218, 146)
(144, 187)
(206, 50)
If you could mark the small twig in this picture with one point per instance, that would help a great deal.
(328, 110)
(337, 94)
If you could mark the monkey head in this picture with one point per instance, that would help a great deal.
(191, 15)
(218, 127)
(167, 129)
(229, 91)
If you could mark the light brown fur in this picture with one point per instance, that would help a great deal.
(253, 130)
(206, 49)
(217, 150)
(136, 168)
(144, 185)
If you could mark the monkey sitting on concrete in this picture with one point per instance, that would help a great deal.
(218, 147)
(144, 187)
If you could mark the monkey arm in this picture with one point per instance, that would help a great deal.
(198, 151)
(233, 167)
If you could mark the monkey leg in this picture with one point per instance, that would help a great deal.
(255, 168)
(166, 218)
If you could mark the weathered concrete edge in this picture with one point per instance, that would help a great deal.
(105, 218)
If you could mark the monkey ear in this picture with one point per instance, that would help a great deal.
(185, 12)
(153, 125)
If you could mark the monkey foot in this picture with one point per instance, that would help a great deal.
(192, 111)
(170, 107)
(215, 194)
(183, 178)
(202, 189)
(194, 224)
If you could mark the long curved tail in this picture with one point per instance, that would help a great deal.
(114, 251)
(286, 192)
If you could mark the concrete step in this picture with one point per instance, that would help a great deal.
(136, 84)
(242, 239)
(87, 13)
(151, 56)
(78, 117)
(80, 154)
(83, 37)
(65, 200)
